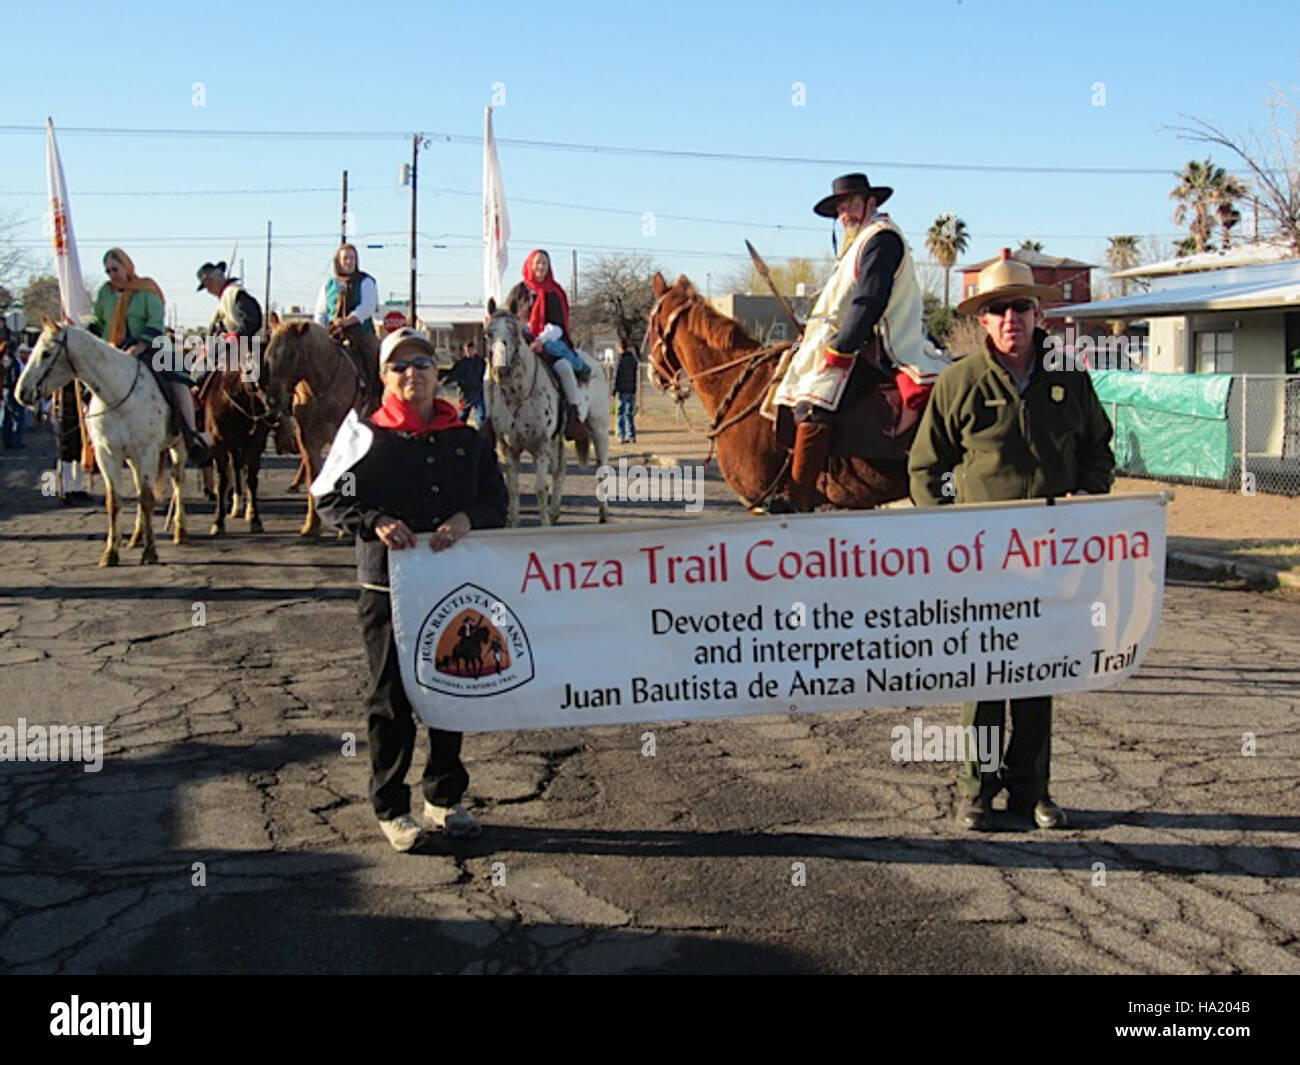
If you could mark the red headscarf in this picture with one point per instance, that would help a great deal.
(396, 413)
(539, 289)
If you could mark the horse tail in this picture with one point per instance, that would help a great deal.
(583, 448)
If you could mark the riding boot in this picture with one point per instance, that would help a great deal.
(812, 449)
(488, 434)
(575, 429)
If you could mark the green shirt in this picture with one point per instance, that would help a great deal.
(997, 443)
(144, 315)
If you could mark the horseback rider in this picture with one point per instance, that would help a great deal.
(128, 313)
(238, 318)
(547, 333)
(870, 310)
(346, 306)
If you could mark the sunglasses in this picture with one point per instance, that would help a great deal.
(1020, 306)
(420, 362)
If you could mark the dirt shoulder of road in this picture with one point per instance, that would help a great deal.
(1255, 537)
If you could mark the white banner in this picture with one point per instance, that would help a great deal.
(496, 219)
(72, 289)
(549, 628)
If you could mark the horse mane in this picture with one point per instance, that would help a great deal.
(712, 326)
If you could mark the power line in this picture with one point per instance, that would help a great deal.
(593, 149)
(333, 189)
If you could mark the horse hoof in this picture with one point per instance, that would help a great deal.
(294, 488)
(134, 542)
(180, 536)
(216, 530)
(150, 556)
(108, 558)
(255, 525)
(308, 533)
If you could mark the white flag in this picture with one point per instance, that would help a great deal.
(496, 220)
(72, 290)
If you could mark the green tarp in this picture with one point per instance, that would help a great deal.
(1168, 425)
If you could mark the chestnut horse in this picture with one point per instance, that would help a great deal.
(691, 346)
(303, 362)
(236, 417)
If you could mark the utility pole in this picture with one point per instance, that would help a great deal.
(415, 161)
(574, 287)
(343, 218)
(266, 307)
(1254, 214)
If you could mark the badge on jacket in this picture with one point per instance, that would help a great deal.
(1058, 393)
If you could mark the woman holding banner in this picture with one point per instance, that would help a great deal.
(409, 472)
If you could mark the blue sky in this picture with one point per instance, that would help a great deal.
(940, 83)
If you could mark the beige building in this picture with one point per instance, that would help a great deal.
(1232, 313)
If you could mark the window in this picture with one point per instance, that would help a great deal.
(1067, 291)
(970, 291)
(1214, 353)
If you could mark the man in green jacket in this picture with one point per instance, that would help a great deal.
(1005, 424)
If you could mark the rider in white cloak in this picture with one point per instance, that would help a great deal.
(871, 302)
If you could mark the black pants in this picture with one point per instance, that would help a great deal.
(1026, 764)
(392, 724)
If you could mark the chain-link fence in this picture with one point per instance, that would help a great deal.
(1252, 446)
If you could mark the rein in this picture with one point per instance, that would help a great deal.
(65, 351)
(750, 362)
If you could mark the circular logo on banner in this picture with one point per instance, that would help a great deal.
(393, 321)
(471, 644)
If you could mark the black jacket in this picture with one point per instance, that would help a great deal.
(877, 263)
(423, 480)
(467, 375)
(625, 375)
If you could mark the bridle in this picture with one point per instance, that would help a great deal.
(64, 351)
(297, 373)
(661, 350)
(679, 385)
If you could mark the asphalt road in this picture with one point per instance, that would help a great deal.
(224, 747)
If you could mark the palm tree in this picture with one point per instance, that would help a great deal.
(1195, 193)
(1122, 254)
(1031, 245)
(946, 239)
(1226, 190)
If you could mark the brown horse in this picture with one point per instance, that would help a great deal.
(304, 362)
(236, 416)
(690, 345)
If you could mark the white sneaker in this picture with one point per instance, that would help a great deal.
(402, 832)
(456, 821)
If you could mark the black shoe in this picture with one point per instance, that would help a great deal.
(198, 454)
(1044, 812)
(974, 815)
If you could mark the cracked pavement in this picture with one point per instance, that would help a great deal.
(224, 746)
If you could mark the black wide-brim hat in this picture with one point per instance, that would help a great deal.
(851, 185)
(206, 269)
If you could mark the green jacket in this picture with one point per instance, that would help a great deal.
(998, 444)
(144, 315)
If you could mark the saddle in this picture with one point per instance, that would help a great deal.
(872, 421)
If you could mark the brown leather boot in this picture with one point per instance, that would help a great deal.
(812, 449)
(575, 429)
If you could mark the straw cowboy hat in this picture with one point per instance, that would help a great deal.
(1004, 278)
(850, 185)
